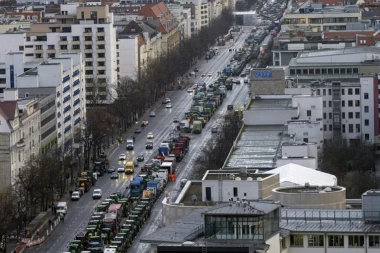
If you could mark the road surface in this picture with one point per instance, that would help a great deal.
(80, 211)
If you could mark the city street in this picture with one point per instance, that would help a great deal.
(161, 125)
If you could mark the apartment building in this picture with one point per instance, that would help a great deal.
(63, 77)
(19, 134)
(159, 15)
(321, 18)
(76, 29)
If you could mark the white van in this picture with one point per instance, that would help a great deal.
(129, 144)
(62, 207)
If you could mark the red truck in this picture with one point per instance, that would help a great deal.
(181, 147)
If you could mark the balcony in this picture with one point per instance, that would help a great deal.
(38, 59)
(75, 50)
(101, 67)
(89, 68)
(100, 34)
(89, 76)
(88, 59)
(101, 59)
(51, 51)
(87, 34)
(20, 143)
(75, 42)
(100, 51)
(62, 42)
(88, 42)
(101, 76)
(100, 42)
(88, 51)
(38, 51)
(63, 51)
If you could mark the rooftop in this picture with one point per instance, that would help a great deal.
(258, 146)
(284, 103)
(294, 174)
(343, 51)
(248, 208)
(233, 174)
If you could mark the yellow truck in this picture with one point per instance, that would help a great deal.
(129, 168)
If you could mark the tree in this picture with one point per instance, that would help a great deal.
(98, 92)
(8, 214)
(349, 163)
(355, 186)
(217, 149)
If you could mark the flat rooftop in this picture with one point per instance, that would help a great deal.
(258, 147)
(226, 175)
(257, 104)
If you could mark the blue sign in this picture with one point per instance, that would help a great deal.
(263, 74)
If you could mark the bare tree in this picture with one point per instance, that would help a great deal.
(98, 92)
(8, 215)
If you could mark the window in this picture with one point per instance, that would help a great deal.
(343, 103)
(235, 191)
(324, 103)
(324, 92)
(357, 127)
(304, 71)
(329, 92)
(357, 91)
(350, 103)
(342, 91)
(330, 115)
(75, 38)
(349, 71)
(350, 128)
(366, 122)
(350, 115)
(292, 71)
(336, 71)
(330, 104)
(311, 71)
(366, 109)
(308, 113)
(349, 91)
(324, 71)
(343, 128)
(315, 240)
(355, 241)
(357, 103)
(330, 127)
(21, 48)
(357, 115)
(296, 240)
(317, 71)
(325, 128)
(330, 71)
(343, 71)
(336, 240)
(355, 70)
(100, 30)
(366, 137)
(366, 96)
(343, 115)
(324, 115)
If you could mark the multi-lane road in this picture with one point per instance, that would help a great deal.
(161, 125)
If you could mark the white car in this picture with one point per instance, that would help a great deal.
(152, 114)
(190, 90)
(150, 135)
(167, 100)
(120, 169)
(169, 105)
(122, 157)
(209, 74)
(97, 194)
(246, 80)
(75, 195)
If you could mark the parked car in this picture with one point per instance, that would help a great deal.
(214, 129)
(137, 130)
(97, 193)
(140, 158)
(166, 100)
(169, 105)
(195, 69)
(152, 114)
(115, 175)
(75, 195)
(190, 90)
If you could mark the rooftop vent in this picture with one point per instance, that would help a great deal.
(249, 179)
(238, 179)
(328, 189)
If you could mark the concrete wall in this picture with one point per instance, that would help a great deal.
(173, 212)
(262, 84)
(311, 131)
(335, 199)
(311, 163)
(5, 158)
(274, 243)
(128, 57)
(250, 188)
(268, 116)
(267, 185)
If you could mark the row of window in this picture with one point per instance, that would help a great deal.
(324, 71)
(350, 103)
(334, 241)
(350, 91)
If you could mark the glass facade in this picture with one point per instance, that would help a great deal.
(230, 227)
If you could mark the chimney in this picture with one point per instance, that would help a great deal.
(10, 95)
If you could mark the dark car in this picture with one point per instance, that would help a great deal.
(137, 130)
(196, 70)
(140, 158)
(149, 145)
(111, 169)
(115, 175)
